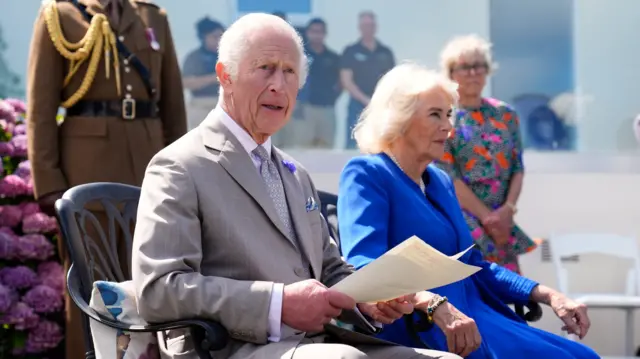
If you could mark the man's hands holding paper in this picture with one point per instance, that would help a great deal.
(309, 305)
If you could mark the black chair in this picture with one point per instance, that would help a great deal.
(98, 259)
(418, 321)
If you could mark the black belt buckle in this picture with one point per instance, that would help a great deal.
(129, 109)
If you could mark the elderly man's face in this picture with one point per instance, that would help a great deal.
(429, 127)
(470, 72)
(264, 92)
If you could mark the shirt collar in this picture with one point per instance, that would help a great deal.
(247, 142)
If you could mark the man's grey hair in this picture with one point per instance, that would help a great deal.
(235, 42)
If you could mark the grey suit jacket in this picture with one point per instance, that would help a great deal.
(209, 243)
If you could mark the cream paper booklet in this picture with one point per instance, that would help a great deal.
(410, 267)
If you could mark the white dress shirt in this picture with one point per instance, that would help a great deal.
(249, 144)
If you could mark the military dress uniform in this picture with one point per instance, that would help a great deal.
(115, 123)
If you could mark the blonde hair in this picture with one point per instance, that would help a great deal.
(394, 102)
(465, 45)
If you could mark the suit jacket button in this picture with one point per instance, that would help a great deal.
(301, 272)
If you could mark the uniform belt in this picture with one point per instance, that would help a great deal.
(128, 109)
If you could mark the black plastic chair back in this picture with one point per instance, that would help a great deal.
(94, 249)
(94, 252)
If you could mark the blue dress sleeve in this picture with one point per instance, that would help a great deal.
(363, 213)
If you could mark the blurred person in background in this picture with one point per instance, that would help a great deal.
(113, 124)
(199, 71)
(483, 155)
(362, 65)
(323, 86)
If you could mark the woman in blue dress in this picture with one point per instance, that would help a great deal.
(386, 196)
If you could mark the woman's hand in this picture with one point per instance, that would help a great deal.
(463, 337)
(498, 225)
(573, 315)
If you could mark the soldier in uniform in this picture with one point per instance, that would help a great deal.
(122, 90)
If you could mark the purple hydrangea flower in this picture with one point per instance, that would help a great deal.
(24, 170)
(21, 316)
(290, 166)
(12, 186)
(19, 143)
(34, 246)
(8, 244)
(18, 106)
(7, 297)
(43, 299)
(20, 129)
(52, 275)
(20, 277)
(45, 336)
(29, 208)
(10, 216)
(7, 112)
(6, 149)
(39, 223)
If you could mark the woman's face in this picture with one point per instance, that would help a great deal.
(470, 72)
(429, 127)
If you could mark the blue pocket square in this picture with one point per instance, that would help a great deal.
(311, 204)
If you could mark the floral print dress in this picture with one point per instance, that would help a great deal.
(484, 150)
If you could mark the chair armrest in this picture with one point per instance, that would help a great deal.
(207, 335)
(533, 315)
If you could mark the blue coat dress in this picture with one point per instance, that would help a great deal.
(379, 207)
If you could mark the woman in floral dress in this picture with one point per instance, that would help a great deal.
(484, 155)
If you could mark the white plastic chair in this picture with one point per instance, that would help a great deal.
(567, 245)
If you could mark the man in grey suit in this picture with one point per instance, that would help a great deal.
(229, 229)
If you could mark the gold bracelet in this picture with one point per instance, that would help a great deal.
(512, 207)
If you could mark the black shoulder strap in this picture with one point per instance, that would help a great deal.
(126, 54)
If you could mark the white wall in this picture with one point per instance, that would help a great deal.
(606, 54)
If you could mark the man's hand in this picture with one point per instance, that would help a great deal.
(573, 315)
(462, 334)
(309, 305)
(48, 201)
(388, 312)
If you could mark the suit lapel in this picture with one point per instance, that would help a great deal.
(296, 203)
(236, 161)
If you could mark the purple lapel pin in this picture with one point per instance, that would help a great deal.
(290, 166)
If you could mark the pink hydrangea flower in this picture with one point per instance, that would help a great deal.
(8, 243)
(39, 223)
(45, 336)
(20, 277)
(34, 246)
(13, 186)
(24, 170)
(6, 149)
(7, 112)
(29, 208)
(21, 316)
(10, 216)
(52, 274)
(43, 299)
(18, 106)
(19, 143)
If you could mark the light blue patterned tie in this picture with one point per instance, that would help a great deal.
(272, 179)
